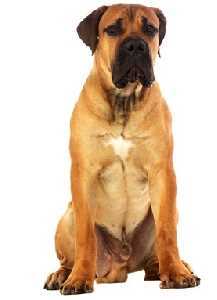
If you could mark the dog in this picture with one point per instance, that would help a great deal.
(123, 216)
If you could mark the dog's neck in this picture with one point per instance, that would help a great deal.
(125, 100)
(110, 103)
(119, 102)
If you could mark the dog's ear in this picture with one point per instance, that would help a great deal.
(162, 26)
(88, 28)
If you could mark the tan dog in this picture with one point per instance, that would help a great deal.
(122, 217)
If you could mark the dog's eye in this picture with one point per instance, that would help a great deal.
(149, 29)
(114, 29)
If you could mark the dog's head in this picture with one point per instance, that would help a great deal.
(125, 40)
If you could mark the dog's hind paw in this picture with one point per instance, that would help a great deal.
(55, 280)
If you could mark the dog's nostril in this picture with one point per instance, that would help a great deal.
(141, 47)
(130, 47)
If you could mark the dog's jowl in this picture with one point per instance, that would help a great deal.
(122, 217)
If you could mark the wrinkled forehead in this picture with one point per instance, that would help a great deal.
(129, 14)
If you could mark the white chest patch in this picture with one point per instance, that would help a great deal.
(120, 145)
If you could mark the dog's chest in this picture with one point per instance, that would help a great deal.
(120, 146)
(124, 201)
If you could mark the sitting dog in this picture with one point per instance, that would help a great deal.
(123, 215)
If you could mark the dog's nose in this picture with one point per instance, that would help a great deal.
(135, 46)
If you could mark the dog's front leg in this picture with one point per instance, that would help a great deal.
(173, 273)
(82, 276)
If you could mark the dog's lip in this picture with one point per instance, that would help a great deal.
(130, 70)
(133, 74)
(139, 77)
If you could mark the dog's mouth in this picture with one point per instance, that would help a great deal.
(132, 67)
(133, 74)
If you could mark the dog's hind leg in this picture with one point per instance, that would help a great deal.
(64, 243)
(152, 269)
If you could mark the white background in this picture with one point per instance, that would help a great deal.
(43, 65)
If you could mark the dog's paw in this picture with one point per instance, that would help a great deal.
(178, 276)
(77, 285)
(55, 280)
(180, 282)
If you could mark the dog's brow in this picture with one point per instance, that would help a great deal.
(146, 21)
(130, 13)
(116, 24)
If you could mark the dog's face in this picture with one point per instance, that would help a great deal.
(125, 40)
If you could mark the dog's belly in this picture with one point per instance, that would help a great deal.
(124, 200)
